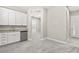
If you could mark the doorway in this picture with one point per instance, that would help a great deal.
(36, 28)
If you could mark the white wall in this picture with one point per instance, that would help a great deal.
(45, 23)
(56, 23)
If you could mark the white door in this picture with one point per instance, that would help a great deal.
(36, 28)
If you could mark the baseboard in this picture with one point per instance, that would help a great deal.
(45, 38)
(40, 39)
(63, 42)
(29, 39)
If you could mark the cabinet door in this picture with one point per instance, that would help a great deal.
(18, 18)
(3, 19)
(3, 16)
(13, 37)
(17, 36)
(11, 17)
(21, 18)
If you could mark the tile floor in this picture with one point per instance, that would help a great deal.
(39, 46)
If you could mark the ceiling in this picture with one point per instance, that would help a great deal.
(23, 8)
(17, 8)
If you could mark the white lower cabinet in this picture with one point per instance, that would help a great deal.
(3, 38)
(0, 38)
(11, 17)
(13, 37)
(9, 37)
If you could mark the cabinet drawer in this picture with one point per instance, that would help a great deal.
(0, 38)
(3, 42)
(3, 38)
(3, 34)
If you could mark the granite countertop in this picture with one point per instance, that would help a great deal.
(11, 28)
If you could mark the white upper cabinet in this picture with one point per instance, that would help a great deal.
(3, 19)
(3, 16)
(20, 18)
(11, 17)
(23, 19)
